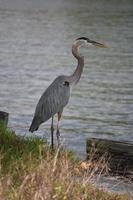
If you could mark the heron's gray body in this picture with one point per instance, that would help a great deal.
(52, 101)
(56, 96)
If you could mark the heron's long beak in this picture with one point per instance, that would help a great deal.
(98, 44)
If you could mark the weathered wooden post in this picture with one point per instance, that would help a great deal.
(4, 117)
(119, 154)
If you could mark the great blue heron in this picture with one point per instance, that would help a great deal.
(56, 96)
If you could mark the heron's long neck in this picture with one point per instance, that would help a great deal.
(77, 73)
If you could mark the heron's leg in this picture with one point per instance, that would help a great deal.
(58, 131)
(52, 133)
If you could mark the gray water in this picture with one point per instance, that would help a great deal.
(35, 47)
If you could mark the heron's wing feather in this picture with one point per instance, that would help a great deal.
(53, 100)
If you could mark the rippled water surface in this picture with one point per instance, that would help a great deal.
(35, 47)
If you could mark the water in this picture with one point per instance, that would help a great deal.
(35, 47)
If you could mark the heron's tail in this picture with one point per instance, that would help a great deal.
(34, 125)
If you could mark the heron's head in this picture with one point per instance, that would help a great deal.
(84, 40)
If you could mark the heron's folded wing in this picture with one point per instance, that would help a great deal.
(52, 101)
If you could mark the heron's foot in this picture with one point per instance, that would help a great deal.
(58, 137)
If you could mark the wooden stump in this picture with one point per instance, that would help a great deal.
(118, 154)
(4, 117)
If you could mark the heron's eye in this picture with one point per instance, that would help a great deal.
(66, 83)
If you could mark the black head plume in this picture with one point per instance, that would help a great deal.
(83, 38)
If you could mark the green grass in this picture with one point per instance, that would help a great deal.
(29, 169)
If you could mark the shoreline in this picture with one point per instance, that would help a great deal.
(31, 170)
